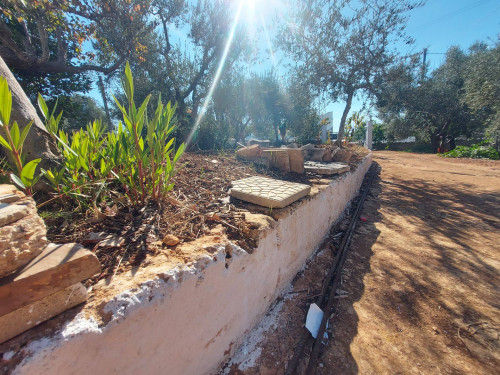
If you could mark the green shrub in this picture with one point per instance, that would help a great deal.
(14, 141)
(139, 166)
(477, 151)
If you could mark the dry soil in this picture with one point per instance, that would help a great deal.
(421, 282)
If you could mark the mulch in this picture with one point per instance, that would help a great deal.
(198, 202)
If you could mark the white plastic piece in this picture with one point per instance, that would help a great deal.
(313, 320)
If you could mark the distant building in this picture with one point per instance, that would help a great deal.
(326, 123)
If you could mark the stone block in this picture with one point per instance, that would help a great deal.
(296, 160)
(341, 155)
(278, 158)
(22, 231)
(20, 320)
(325, 168)
(312, 153)
(249, 153)
(268, 192)
(20, 242)
(57, 267)
(328, 155)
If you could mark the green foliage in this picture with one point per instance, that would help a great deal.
(14, 141)
(78, 111)
(477, 151)
(140, 166)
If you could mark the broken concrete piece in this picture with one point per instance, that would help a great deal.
(170, 240)
(268, 192)
(341, 155)
(326, 168)
(95, 237)
(57, 267)
(249, 153)
(296, 160)
(20, 320)
(278, 158)
(328, 155)
(312, 153)
(112, 241)
(260, 142)
(316, 154)
(308, 146)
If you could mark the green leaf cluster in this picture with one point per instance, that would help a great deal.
(140, 166)
(477, 151)
(12, 139)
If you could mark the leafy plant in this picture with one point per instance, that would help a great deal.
(477, 151)
(149, 163)
(14, 140)
(140, 166)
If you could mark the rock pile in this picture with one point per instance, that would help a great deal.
(38, 280)
(291, 158)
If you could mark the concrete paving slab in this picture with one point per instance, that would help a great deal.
(268, 192)
(326, 168)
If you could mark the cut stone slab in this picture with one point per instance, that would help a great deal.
(56, 268)
(326, 168)
(278, 158)
(296, 159)
(20, 320)
(268, 192)
(249, 153)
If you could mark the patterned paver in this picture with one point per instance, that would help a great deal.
(268, 192)
(326, 168)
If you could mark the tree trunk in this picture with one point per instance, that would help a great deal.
(105, 102)
(38, 143)
(347, 108)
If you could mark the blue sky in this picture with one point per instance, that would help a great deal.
(437, 26)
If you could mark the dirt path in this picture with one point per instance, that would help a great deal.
(422, 277)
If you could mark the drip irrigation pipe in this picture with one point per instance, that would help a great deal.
(335, 274)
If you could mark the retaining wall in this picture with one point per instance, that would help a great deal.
(188, 319)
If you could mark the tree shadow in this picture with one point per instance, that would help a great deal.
(445, 275)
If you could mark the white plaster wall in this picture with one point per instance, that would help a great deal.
(187, 321)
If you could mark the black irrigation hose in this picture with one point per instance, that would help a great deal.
(334, 271)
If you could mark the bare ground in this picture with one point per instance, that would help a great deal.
(422, 278)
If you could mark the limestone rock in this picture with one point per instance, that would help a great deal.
(170, 240)
(57, 267)
(26, 317)
(250, 153)
(22, 232)
(341, 155)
